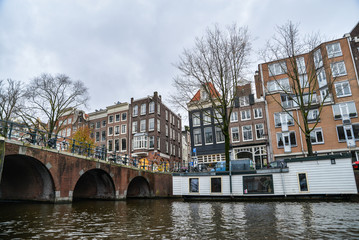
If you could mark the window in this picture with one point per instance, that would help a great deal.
(278, 85)
(104, 123)
(143, 126)
(117, 130)
(151, 142)
(208, 135)
(140, 142)
(245, 115)
(247, 133)
(301, 65)
(151, 124)
(103, 136)
(286, 100)
(318, 60)
(288, 140)
(124, 116)
(283, 118)
(151, 107)
(258, 113)
(342, 89)
(334, 50)
(123, 144)
(259, 131)
(219, 135)
(117, 145)
(110, 145)
(98, 125)
(207, 117)
(196, 119)
(135, 111)
(97, 136)
(70, 120)
(166, 147)
(338, 69)
(159, 109)
(134, 127)
(197, 136)
(216, 184)
(158, 125)
(166, 130)
(346, 110)
(277, 68)
(316, 136)
(110, 119)
(303, 81)
(194, 185)
(110, 131)
(235, 134)
(324, 95)
(158, 143)
(123, 128)
(244, 101)
(321, 77)
(258, 184)
(303, 182)
(143, 109)
(313, 115)
(219, 118)
(234, 117)
(341, 133)
(117, 117)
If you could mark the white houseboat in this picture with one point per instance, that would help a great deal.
(310, 177)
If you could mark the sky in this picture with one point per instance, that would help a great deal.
(122, 49)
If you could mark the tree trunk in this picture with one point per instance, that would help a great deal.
(309, 144)
(226, 147)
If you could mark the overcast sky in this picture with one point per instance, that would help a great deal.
(123, 49)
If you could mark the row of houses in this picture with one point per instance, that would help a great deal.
(145, 129)
(263, 125)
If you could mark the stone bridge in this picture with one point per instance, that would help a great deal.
(41, 174)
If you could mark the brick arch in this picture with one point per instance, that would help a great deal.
(94, 184)
(139, 187)
(25, 178)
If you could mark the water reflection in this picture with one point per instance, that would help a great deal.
(168, 219)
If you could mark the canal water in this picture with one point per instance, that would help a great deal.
(171, 219)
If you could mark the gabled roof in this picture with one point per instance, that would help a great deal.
(213, 91)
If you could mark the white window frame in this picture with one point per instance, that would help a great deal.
(151, 139)
(334, 50)
(235, 130)
(151, 121)
(277, 68)
(284, 117)
(207, 117)
(110, 119)
(197, 137)
(246, 115)
(196, 119)
(110, 132)
(318, 59)
(338, 69)
(234, 116)
(123, 129)
(143, 108)
(117, 116)
(219, 135)
(258, 113)
(205, 135)
(313, 134)
(344, 110)
(259, 129)
(140, 142)
(151, 107)
(134, 127)
(244, 101)
(278, 85)
(289, 133)
(311, 115)
(143, 125)
(158, 125)
(117, 130)
(123, 116)
(246, 131)
(135, 111)
(340, 86)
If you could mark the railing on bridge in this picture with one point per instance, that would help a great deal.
(33, 136)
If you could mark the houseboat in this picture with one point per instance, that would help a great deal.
(329, 176)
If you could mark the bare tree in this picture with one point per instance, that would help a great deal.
(215, 65)
(49, 98)
(301, 60)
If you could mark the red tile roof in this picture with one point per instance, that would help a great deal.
(212, 90)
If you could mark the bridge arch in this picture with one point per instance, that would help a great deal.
(25, 178)
(138, 188)
(95, 184)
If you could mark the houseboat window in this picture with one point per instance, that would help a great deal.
(258, 184)
(216, 185)
(194, 185)
(303, 183)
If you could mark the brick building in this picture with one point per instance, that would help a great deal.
(338, 128)
(155, 132)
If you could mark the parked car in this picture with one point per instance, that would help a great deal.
(356, 165)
